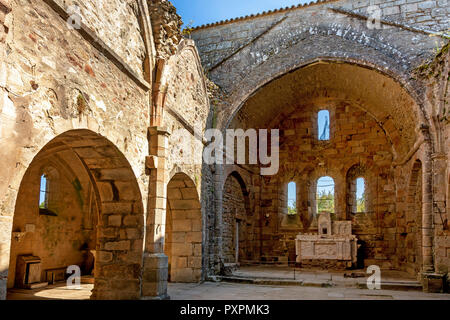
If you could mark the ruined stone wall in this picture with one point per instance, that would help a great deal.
(59, 239)
(6, 113)
(240, 211)
(53, 81)
(184, 234)
(355, 139)
(436, 73)
(116, 23)
(166, 27)
(218, 42)
(245, 56)
(426, 14)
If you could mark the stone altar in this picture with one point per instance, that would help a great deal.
(334, 244)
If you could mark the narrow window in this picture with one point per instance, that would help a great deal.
(325, 195)
(292, 198)
(360, 195)
(44, 196)
(323, 124)
(43, 193)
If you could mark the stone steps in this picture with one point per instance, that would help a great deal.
(323, 283)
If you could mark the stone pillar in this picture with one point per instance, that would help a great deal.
(155, 268)
(5, 219)
(437, 281)
(427, 214)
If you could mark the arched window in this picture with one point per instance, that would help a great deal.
(325, 195)
(292, 198)
(46, 189)
(323, 125)
(360, 195)
(43, 192)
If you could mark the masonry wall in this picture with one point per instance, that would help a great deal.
(184, 231)
(5, 8)
(53, 81)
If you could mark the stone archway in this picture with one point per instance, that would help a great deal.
(97, 208)
(183, 240)
(410, 258)
(237, 234)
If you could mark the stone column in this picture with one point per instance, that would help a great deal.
(155, 266)
(440, 211)
(427, 212)
(5, 219)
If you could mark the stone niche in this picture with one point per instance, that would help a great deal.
(333, 245)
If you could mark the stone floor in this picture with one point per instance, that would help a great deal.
(344, 278)
(305, 284)
(237, 291)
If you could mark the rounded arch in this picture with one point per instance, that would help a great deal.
(97, 177)
(325, 194)
(183, 233)
(238, 225)
(372, 84)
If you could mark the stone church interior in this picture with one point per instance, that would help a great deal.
(107, 110)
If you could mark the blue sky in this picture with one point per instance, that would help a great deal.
(207, 11)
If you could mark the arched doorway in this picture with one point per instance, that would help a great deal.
(183, 240)
(238, 235)
(79, 204)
